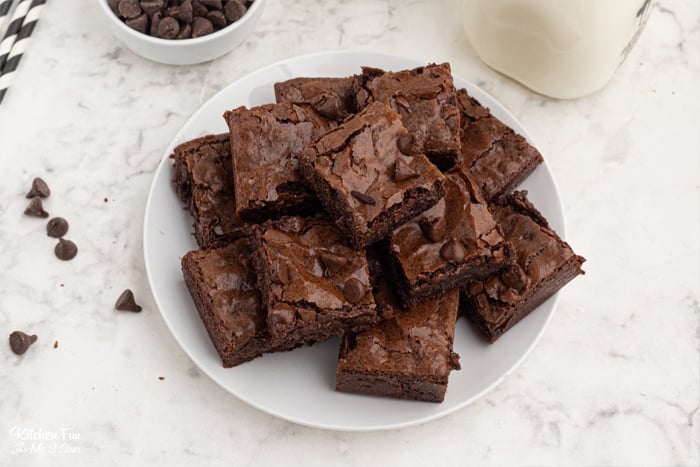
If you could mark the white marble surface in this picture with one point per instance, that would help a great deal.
(614, 381)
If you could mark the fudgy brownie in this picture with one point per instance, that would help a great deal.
(263, 140)
(426, 99)
(364, 178)
(496, 157)
(447, 246)
(204, 182)
(408, 355)
(543, 264)
(313, 285)
(334, 98)
(221, 282)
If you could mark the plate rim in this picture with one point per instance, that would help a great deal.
(561, 230)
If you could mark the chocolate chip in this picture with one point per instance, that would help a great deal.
(129, 9)
(126, 302)
(401, 101)
(405, 143)
(515, 278)
(36, 208)
(433, 228)
(57, 227)
(362, 98)
(65, 250)
(212, 4)
(328, 105)
(20, 342)
(354, 290)
(183, 12)
(168, 28)
(114, 6)
(198, 9)
(332, 263)
(201, 27)
(234, 10)
(151, 7)
(363, 197)
(403, 171)
(217, 18)
(39, 188)
(453, 250)
(155, 22)
(185, 32)
(140, 23)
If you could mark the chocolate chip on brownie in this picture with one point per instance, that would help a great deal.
(403, 171)
(363, 197)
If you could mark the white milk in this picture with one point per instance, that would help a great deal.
(560, 48)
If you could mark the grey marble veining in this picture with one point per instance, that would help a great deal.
(615, 380)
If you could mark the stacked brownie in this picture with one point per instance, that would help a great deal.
(374, 207)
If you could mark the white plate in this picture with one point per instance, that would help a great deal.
(299, 386)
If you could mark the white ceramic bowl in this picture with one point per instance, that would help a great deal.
(185, 51)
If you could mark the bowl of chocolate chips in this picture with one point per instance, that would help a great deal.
(182, 32)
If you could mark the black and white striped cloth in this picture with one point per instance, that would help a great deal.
(5, 6)
(16, 39)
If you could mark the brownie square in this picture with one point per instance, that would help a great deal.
(221, 282)
(452, 243)
(263, 140)
(334, 98)
(408, 355)
(203, 180)
(364, 178)
(496, 157)
(543, 264)
(313, 285)
(426, 99)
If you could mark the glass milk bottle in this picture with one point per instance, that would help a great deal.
(560, 48)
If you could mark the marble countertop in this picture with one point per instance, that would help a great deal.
(615, 380)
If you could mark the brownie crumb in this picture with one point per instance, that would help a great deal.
(36, 208)
(39, 189)
(55, 344)
(106, 200)
(20, 341)
(161, 378)
(126, 302)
